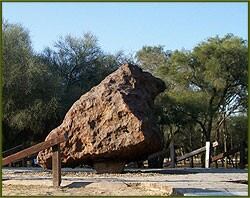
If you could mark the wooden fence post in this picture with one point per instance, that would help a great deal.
(56, 165)
(192, 162)
(172, 153)
(242, 156)
(207, 162)
(56, 158)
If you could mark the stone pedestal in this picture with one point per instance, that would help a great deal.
(109, 167)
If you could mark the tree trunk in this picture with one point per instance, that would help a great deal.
(172, 153)
(242, 155)
(225, 141)
(202, 154)
(191, 147)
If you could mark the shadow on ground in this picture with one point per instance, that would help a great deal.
(186, 170)
(77, 184)
(204, 192)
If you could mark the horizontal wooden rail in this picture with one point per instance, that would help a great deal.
(195, 152)
(34, 149)
(225, 154)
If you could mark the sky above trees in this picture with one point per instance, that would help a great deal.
(129, 26)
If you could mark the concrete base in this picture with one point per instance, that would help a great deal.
(109, 167)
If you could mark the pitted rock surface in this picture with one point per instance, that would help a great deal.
(114, 121)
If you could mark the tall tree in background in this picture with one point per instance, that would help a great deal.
(29, 90)
(80, 64)
(212, 76)
(150, 58)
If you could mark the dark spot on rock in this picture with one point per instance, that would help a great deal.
(79, 146)
(112, 81)
(92, 124)
(120, 114)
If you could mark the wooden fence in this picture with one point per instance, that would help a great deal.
(56, 158)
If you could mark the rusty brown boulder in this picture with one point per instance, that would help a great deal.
(113, 122)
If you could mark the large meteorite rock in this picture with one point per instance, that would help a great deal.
(113, 122)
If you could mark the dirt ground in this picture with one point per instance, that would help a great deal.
(82, 189)
(137, 182)
(35, 182)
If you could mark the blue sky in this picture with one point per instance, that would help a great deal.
(129, 26)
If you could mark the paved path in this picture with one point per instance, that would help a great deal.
(183, 181)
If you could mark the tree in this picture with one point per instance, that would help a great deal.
(151, 58)
(210, 77)
(29, 97)
(237, 130)
(81, 64)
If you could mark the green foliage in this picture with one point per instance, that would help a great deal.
(29, 89)
(80, 64)
(151, 58)
(238, 129)
(208, 80)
